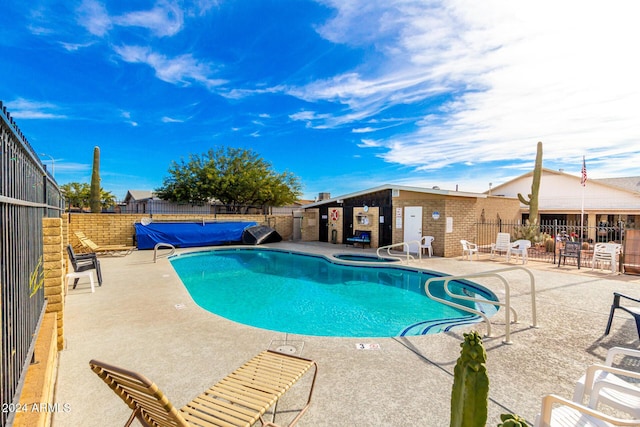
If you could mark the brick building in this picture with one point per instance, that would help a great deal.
(395, 214)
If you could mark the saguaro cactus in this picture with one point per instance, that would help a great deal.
(470, 394)
(512, 420)
(95, 202)
(535, 188)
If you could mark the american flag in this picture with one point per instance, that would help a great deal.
(584, 173)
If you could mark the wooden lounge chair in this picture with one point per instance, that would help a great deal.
(240, 399)
(92, 247)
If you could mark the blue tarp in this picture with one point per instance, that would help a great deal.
(189, 234)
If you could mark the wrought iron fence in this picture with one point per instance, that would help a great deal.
(157, 206)
(548, 236)
(27, 194)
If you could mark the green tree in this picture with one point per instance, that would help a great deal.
(77, 196)
(234, 176)
(95, 193)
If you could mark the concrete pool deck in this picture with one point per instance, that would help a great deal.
(143, 319)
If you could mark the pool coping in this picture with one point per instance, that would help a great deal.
(143, 319)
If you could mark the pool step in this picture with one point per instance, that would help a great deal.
(438, 325)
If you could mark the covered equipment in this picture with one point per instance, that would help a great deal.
(259, 234)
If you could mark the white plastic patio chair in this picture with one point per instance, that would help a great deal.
(468, 249)
(605, 384)
(520, 247)
(502, 244)
(425, 244)
(572, 414)
(606, 253)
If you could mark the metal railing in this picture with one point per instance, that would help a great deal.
(27, 194)
(506, 304)
(548, 236)
(406, 249)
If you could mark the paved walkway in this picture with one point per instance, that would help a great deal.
(143, 319)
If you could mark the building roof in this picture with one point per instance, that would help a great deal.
(435, 190)
(137, 195)
(631, 183)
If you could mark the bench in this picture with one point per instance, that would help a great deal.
(360, 237)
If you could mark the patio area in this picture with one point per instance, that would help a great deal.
(143, 319)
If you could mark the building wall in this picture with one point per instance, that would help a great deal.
(562, 193)
(372, 225)
(462, 213)
(493, 209)
(336, 223)
(310, 225)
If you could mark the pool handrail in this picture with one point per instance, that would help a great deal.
(405, 245)
(506, 303)
(163, 246)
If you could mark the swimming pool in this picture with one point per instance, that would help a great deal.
(363, 258)
(310, 295)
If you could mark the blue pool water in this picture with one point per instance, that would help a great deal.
(309, 295)
(363, 258)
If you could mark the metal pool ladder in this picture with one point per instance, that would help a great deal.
(507, 299)
(163, 246)
(405, 246)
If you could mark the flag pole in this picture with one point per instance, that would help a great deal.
(583, 181)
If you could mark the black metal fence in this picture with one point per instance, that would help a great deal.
(27, 194)
(157, 206)
(548, 236)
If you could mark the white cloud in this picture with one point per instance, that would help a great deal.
(165, 19)
(166, 119)
(93, 16)
(183, 69)
(515, 73)
(25, 109)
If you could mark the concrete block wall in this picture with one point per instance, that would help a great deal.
(310, 225)
(55, 269)
(118, 229)
(37, 394)
(463, 213)
(430, 226)
(373, 227)
(461, 210)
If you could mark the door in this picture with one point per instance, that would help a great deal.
(324, 224)
(385, 230)
(413, 227)
(347, 223)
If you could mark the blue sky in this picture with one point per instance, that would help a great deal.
(345, 94)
